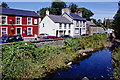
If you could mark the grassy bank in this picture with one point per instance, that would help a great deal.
(116, 58)
(25, 60)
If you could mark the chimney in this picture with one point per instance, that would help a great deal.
(47, 12)
(92, 20)
(38, 12)
(67, 10)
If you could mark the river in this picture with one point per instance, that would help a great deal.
(98, 66)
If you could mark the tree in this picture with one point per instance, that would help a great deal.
(73, 7)
(4, 5)
(99, 23)
(86, 13)
(58, 5)
(43, 11)
(116, 24)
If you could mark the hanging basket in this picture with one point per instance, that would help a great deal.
(12, 28)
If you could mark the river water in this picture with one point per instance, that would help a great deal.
(96, 67)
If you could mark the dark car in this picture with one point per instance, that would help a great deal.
(18, 37)
(84, 35)
(11, 38)
(65, 36)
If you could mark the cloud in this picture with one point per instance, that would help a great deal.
(59, 0)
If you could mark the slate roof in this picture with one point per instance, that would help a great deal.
(76, 17)
(17, 12)
(60, 19)
(91, 23)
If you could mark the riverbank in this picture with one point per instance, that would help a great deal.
(116, 62)
(24, 60)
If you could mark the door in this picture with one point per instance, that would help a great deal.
(18, 30)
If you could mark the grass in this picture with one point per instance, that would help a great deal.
(24, 60)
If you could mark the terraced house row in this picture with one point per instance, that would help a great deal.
(29, 24)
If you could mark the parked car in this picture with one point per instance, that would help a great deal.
(65, 36)
(11, 38)
(18, 37)
(84, 35)
(42, 39)
(42, 35)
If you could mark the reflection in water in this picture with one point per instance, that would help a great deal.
(97, 66)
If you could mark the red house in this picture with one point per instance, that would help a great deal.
(15, 21)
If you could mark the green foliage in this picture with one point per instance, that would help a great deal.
(99, 23)
(86, 13)
(116, 24)
(116, 57)
(94, 41)
(73, 7)
(58, 5)
(24, 60)
(4, 5)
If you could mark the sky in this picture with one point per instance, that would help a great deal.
(101, 10)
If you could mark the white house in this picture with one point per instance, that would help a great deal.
(65, 24)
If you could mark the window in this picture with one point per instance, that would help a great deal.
(4, 19)
(64, 26)
(29, 31)
(29, 21)
(35, 21)
(69, 32)
(43, 25)
(60, 26)
(76, 31)
(83, 28)
(4, 30)
(77, 24)
(69, 26)
(18, 20)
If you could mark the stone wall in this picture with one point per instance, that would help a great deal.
(57, 42)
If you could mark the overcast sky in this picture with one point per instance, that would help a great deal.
(101, 10)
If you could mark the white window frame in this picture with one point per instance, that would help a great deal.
(35, 21)
(6, 30)
(31, 30)
(1, 19)
(20, 20)
(76, 31)
(20, 31)
(30, 20)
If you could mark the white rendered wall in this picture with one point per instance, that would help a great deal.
(49, 26)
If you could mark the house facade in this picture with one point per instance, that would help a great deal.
(92, 28)
(15, 21)
(65, 24)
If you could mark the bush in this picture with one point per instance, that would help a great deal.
(25, 60)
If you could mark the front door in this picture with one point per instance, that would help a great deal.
(18, 30)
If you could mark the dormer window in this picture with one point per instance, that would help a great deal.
(4, 19)
(29, 21)
(18, 20)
